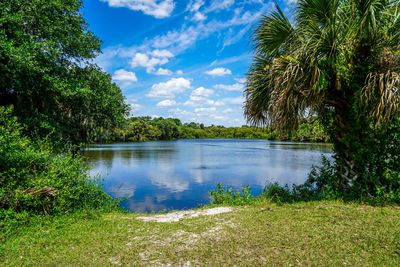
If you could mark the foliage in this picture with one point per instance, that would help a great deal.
(310, 130)
(337, 60)
(147, 129)
(47, 73)
(34, 180)
(228, 196)
(382, 156)
(380, 185)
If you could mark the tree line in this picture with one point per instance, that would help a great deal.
(139, 129)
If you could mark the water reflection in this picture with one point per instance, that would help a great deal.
(178, 175)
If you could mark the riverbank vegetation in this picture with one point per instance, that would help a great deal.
(139, 129)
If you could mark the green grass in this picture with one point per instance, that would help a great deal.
(317, 234)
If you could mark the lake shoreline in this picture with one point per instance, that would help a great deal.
(178, 175)
(209, 138)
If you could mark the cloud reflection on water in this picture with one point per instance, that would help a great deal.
(179, 174)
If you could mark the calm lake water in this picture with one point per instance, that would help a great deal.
(179, 174)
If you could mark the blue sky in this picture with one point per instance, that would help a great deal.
(183, 59)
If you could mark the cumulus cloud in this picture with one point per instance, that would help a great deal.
(233, 100)
(162, 53)
(166, 103)
(156, 8)
(151, 60)
(202, 111)
(232, 87)
(169, 88)
(202, 92)
(162, 71)
(124, 76)
(199, 97)
(181, 112)
(219, 72)
(133, 105)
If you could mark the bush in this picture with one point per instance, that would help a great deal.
(228, 196)
(277, 193)
(34, 180)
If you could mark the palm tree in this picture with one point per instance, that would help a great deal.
(338, 59)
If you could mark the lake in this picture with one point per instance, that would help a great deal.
(166, 175)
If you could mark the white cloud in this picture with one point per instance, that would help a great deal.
(233, 100)
(162, 71)
(233, 87)
(184, 38)
(217, 117)
(179, 40)
(178, 111)
(218, 5)
(179, 72)
(202, 92)
(240, 80)
(124, 76)
(198, 16)
(162, 53)
(169, 88)
(133, 105)
(199, 97)
(219, 72)
(195, 5)
(203, 111)
(156, 8)
(151, 60)
(291, 2)
(166, 103)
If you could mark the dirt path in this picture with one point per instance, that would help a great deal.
(177, 216)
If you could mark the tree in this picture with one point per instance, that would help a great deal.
(47, 73)
(168, 128)
(339, 59)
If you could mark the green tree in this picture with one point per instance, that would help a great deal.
(168, 128)
(338, 59)
(47, 74)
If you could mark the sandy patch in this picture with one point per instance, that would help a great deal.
(177, 216)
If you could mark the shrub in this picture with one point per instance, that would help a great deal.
(36, 180)
(228, 196)
(277, 193)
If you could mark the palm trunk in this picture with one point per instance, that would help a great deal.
(342, 135)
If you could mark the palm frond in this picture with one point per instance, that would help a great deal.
(258, 92)
(274, 33)
(280, 92)
(381, 94)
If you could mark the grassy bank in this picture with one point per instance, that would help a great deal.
(317, 233)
